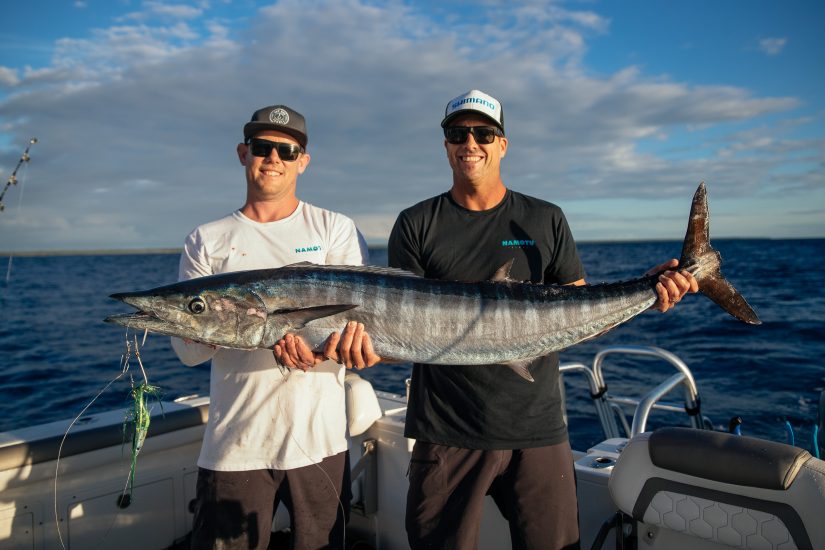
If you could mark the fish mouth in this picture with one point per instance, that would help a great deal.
(131, 298)
(144, 320)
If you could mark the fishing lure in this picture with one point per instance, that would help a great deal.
(138, 417)
(135, 426)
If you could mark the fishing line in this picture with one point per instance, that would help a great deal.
(286, 376)
(138, 416)
(17, 215)
(141, 425)
(24, 162)
(124, 359)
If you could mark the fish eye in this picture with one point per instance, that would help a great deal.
(197, 305)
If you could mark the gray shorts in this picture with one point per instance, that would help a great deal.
(534, 489)
(235, 509)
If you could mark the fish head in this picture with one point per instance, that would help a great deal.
(227, 315)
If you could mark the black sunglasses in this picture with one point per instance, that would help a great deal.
(482, 134)
(286, 151)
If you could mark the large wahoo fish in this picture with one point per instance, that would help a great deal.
(410, 318)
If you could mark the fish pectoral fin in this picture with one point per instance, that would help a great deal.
(297, 318)
(502, 274)
(521, 367)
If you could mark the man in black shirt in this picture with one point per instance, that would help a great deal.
(478, 430)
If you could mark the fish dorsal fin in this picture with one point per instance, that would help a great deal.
(502, 274)
(297, 318)
(379, 270)
(521, 367)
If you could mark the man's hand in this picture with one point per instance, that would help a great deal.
(672, 285)
(291, 351)
(352, 348)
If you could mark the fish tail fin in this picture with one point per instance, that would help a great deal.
(699, 258)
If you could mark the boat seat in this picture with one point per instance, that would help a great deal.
(700, 489)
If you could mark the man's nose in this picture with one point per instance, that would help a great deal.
(273, 156)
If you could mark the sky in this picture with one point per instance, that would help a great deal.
(613, 110)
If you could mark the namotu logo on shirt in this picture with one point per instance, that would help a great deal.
(311, 248)
(518, 243)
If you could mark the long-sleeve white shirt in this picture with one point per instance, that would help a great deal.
(262, 416)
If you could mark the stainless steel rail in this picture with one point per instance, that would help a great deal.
(608, 407)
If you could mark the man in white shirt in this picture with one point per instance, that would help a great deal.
(274, 434)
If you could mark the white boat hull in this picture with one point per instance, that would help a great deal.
(90, 485)
(82, 506)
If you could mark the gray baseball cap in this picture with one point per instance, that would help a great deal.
(279, 118)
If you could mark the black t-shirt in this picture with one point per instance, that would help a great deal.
(486, 406)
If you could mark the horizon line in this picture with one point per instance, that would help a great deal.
(177, 250)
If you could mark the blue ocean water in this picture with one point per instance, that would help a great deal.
(56, 353)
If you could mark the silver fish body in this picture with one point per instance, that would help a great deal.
(427, 321)
(411, 318)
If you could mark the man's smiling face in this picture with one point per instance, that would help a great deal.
(270, 177)
(474, 162)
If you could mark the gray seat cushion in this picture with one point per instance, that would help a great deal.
(722, 490)
(723, 457)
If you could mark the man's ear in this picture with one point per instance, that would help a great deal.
(242, 150)
(503, 141)
(303, 162)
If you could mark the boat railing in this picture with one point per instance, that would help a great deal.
(609, 408)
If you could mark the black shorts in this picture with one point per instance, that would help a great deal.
(235, 509)
(534, 489)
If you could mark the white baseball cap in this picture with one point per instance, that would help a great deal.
(475, 102)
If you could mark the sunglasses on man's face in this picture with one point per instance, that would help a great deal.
(286, 151)
(482, 134)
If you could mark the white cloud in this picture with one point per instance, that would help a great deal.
(772, 46)
(124, 46)
(162, 10)
(8, 77)
(138, 122)
(177, 11)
